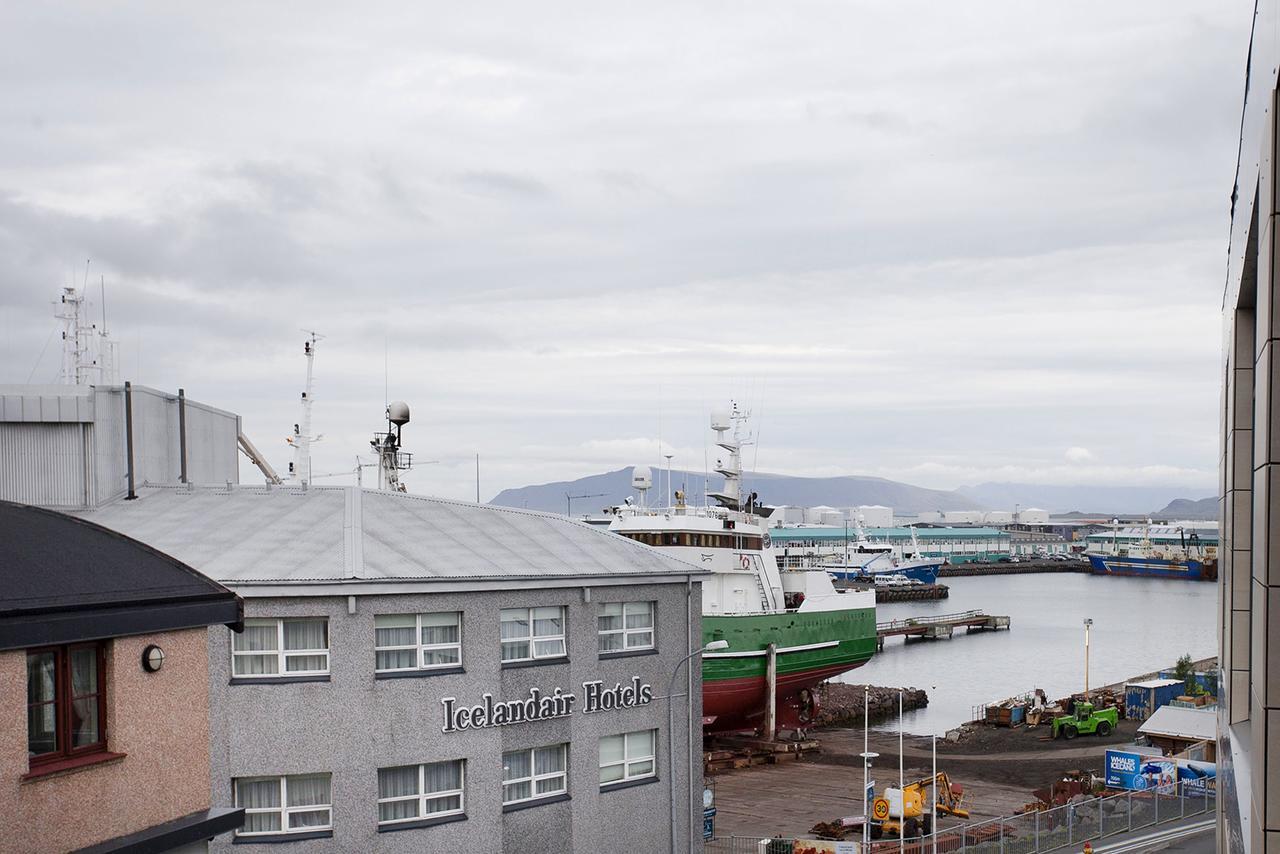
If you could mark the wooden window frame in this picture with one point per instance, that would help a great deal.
(62, 704)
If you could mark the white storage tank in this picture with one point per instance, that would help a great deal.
(813, 515)
(875, 515)
(962, 517)
(833, 517)
(999, 517)
(1033, 516)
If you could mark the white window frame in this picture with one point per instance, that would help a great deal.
(534, 777)
(533, 637)
(423, 796)
(284, 810)
(626, 633)
(283, 655)
(628, 760)
(422, 648)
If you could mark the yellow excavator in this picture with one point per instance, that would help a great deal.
(904, 813)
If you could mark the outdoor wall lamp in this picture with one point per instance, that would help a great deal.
(152, 658)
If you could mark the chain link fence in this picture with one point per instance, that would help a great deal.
(1068, 826)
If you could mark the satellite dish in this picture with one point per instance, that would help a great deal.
(720, 420)
(641, 478)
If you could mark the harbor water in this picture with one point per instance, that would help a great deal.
(1139, 625)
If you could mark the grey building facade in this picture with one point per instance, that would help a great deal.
(1249, 553)
(404, 679)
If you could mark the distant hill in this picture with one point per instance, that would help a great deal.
(1063, 499)
(612, 487)
(1187, 508)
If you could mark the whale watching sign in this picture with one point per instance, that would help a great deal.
(542, 706)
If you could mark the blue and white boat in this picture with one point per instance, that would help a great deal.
(866, 560)
(1179, 553)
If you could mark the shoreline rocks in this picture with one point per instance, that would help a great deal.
(841, 705)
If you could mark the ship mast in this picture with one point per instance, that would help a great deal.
(392, 460)
(88, 354)
(721, 423)
(300, 468)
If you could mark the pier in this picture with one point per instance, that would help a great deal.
(939, 626)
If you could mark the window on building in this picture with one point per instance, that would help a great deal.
(628, 757)
(66, 701)
(405, 642)
(625, 626)
(533, 633)
(300, 803)
(415, 792)
(531, 774)
(284, 647)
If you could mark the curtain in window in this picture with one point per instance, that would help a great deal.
(255, 638)
(440, 628)
(515, 634)
(443, 776)
(548, 621)
(41, 716)
(548, 760)
(639, 615)
(393, 630)
(306, 634)
(259, 794)
(84, 703)
(611, 617)
(611, 749)
(305, 791)
(516, 764)
(396, 783)
(515, 623)
(640, 744)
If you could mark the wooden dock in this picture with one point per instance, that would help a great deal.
(939, 626)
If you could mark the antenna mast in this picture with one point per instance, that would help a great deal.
(88, 354)
(300, 468)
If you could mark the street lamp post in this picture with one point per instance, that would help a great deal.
(715, 645)
(1087, 623)
(867, 756)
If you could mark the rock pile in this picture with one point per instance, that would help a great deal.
(841, 705)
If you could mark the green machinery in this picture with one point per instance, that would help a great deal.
(1086, 720)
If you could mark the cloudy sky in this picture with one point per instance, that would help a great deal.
(942, 243)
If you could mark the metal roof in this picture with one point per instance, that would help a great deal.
(1178, 722)
(1154, 683)
(259, 534)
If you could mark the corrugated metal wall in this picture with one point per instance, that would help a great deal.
(43, 463)
(47, 458)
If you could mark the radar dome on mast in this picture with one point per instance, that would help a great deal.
(641, 478)
(398, 413)
(720, 420)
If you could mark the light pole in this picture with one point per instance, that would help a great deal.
(867, 756)
(1087, 623)
(671, 731)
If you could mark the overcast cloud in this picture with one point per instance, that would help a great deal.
(943, 243)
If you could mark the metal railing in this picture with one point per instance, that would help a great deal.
(929, 621)
(1067, 826)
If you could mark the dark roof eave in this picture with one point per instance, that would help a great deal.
(193, 828)
(27, 630)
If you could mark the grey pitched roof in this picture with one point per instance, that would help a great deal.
(324, 534)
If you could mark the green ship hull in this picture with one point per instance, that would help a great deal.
(811, 647)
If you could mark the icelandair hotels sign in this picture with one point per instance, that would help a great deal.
(539, 706)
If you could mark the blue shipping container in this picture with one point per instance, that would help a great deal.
(1141, 699)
